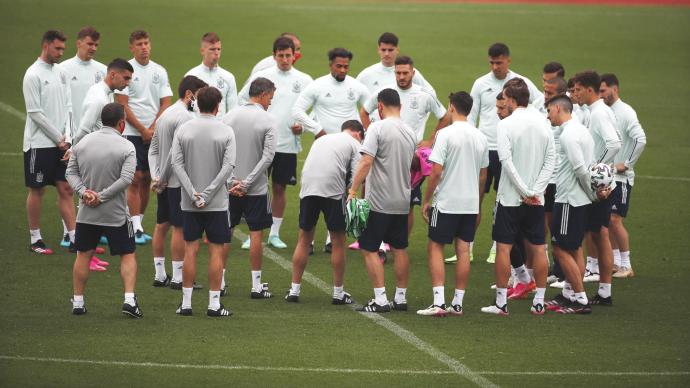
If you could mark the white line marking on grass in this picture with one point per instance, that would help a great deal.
(664, 178)
(323, 370)
(7, 108)
(404, 334)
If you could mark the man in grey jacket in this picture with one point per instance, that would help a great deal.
(100, 169)
(203, 157)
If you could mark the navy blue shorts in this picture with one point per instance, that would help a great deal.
(256, 210)
(524, 220)
(381, 227)
(333, 212)
(215, 224)
(120, 238)
(493, 173)
(568, 226)
(620, 199)
(43, 167)
(142, 152)
(283, 169)
(174, 195)
(599, 215)
(163, 210)
(549, 197)
(444, 228)
(416, 195)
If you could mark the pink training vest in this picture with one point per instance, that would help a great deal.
(417, 176)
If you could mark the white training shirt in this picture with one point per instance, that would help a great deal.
(526, 152)
(633, 138)
(220, 79)
(576, 154)
(581, 114)
(263, 64)
(289, 84)
(462, 151)
(484, 92)
(603, 126)
(416, 104)
(332, 103)
(378, 76)
(98, 96)
(330, 160)
(82, 75)
(46, 90)
(148, 86)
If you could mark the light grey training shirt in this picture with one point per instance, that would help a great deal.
(104, 162)
(330, 159)
(161, 142)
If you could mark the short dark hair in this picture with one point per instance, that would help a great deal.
(210, 37)
(120, 65)
(571, 82)
(462, 102)
(561, 86)
(353, 125)
(588, 79)
(283, 43)
(138, 34)
(51, 35)
(112, 113)
(208, 99)
(288, 35)
(388, 38)
(554, 67)
(499, 96)
(389, 97)
(90, 32)
(339, 52)
(518, 91)
(499, 49)
(609, 79)
(512, 81)
(561, 100)
(260, 86)
(190, 83)
(404, 60)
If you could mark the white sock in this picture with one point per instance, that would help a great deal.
(256, 281)
(617, 257)
(439, 295)
(380, 296)
(222, 280)
(136, 223)
(64, 228)
(141, 222)
(35, 235)
(328, 238)
(338, 292)
(501, 295)
(581, 297)
(78, 301)
(493, 246)
(539, 296)
(457, 298)
(522, 274)
(72, 234)
(187, 297)
(625, 259)
(129, 299)
(530, 272)
(471, 248)
(595, 266)
(568, 291)
(159, 265)
(604, 290)
(400, 295)
(295, 289)
(177, 270)
(213, 300)
(275, 228)
(588, 266)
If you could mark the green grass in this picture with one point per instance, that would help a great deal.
(645, 332)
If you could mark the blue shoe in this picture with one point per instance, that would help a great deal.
(65, 241)
(275, 242)
(104, 240)
(147, 237)
(139, 238)
(245, 244)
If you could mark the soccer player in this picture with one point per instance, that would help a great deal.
(550, 73)
(456, 185)
(634, 140)
(100, 169)
(146, 97)
(387, 153)
(255, 131)
(526, 152)
(331, 160)
(210, 72)
(603, 127)
(483, 95)
(203, 157)
(270, 61)
(289, 83)
(167, 186)
(48, 123)
(573, 198)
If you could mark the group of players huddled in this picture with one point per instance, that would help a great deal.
(111, 135)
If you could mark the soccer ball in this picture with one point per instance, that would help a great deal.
(600, 175)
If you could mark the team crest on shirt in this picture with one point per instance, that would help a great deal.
(63, 79)
(414, 104)
(156, 78)
(296, 87)
(74, 78)
(99, 76)
(350, 94)
(220, 84)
